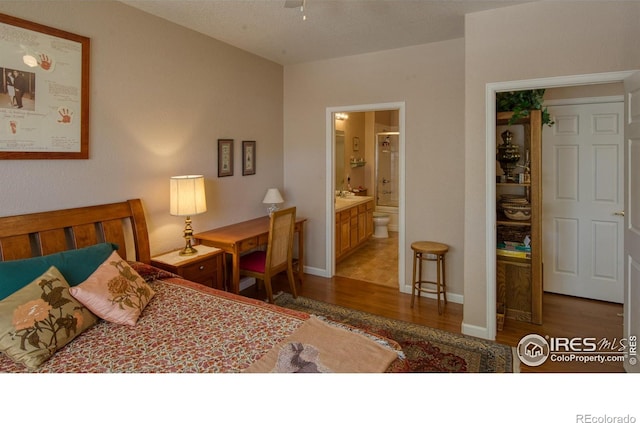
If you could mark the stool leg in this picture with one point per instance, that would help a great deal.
(438, 282)
(444, 280)
(419, 281)
(413, 279)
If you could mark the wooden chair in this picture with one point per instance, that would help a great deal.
(263, 265)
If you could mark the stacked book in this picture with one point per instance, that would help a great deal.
(514, 249)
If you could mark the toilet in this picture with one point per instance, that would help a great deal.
(380, 223)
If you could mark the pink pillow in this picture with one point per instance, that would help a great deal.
(114, 292)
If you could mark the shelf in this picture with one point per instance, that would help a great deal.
(512, 184)
(358, 164)
(502, 119)
(506, 222)
(519, 279)
(512, 259)
(501, 219)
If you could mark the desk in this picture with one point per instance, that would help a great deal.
(244, 236)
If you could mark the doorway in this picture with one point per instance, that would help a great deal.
(366, 162)
(361, 149)
(490, 95)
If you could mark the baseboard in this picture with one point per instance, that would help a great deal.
(454, 298)
(246, 282)
(477, 331)
(316, 271)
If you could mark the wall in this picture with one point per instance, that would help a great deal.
(533, 40)
(429, 79)
(584, 91)
(161, 95)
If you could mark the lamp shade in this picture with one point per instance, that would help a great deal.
(273, 197)
(187, 195)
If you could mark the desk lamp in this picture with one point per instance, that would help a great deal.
(273, 197)
(187, 198)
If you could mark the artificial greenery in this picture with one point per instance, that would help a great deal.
(520, 102)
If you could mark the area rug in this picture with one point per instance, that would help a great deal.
(425, 349)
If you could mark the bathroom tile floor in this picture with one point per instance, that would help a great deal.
(375, 262)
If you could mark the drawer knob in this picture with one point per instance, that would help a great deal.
(201, 267)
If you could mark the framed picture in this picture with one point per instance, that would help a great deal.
(356, 143)
(248, 158)
(44, 92)
(225, 157)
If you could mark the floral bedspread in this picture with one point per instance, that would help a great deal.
(186, 327)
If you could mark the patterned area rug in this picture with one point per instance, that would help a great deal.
(426, 349)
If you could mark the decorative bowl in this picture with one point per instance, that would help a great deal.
(516, 211)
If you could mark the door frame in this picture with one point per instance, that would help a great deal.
(330, 182)
(490, 151)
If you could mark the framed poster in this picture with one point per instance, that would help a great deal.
(44, 95)
(248, 158)
(225, 157)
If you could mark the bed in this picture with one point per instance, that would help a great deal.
(183, 327)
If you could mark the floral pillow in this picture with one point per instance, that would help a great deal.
(114, 292)
(40, 318)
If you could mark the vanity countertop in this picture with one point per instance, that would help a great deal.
(355, 200)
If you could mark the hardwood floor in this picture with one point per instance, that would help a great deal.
(563, 316)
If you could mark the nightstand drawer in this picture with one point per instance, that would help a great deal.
(205, 267)
(201, 271)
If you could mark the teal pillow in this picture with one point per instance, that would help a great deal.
(75, 265)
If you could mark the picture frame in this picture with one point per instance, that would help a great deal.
(225, 157)
(248, 158)
(44, 91)
(356, 143)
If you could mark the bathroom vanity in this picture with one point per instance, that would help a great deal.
(354, 224)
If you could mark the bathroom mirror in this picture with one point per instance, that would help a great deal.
(339, 160)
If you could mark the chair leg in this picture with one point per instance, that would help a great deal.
(267, 285)
(292, 282)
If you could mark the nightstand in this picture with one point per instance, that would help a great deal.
(204, 267)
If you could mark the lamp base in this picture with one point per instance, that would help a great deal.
(272, 208)
(188, 250)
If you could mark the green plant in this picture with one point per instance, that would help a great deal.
(520, 102)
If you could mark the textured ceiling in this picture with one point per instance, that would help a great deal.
(332, 28)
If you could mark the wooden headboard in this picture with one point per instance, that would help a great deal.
(38, 234)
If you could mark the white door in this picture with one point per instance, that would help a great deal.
(632, 218)
(582, 191)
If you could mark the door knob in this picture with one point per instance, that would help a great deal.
(620, 213)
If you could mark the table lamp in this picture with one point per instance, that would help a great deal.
(273, 197)
(187, 198)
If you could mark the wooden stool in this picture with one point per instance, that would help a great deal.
(429, 251)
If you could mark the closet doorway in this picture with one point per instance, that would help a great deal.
(565, 82)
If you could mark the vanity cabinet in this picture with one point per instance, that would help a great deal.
(519, 269)
(354, 226)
